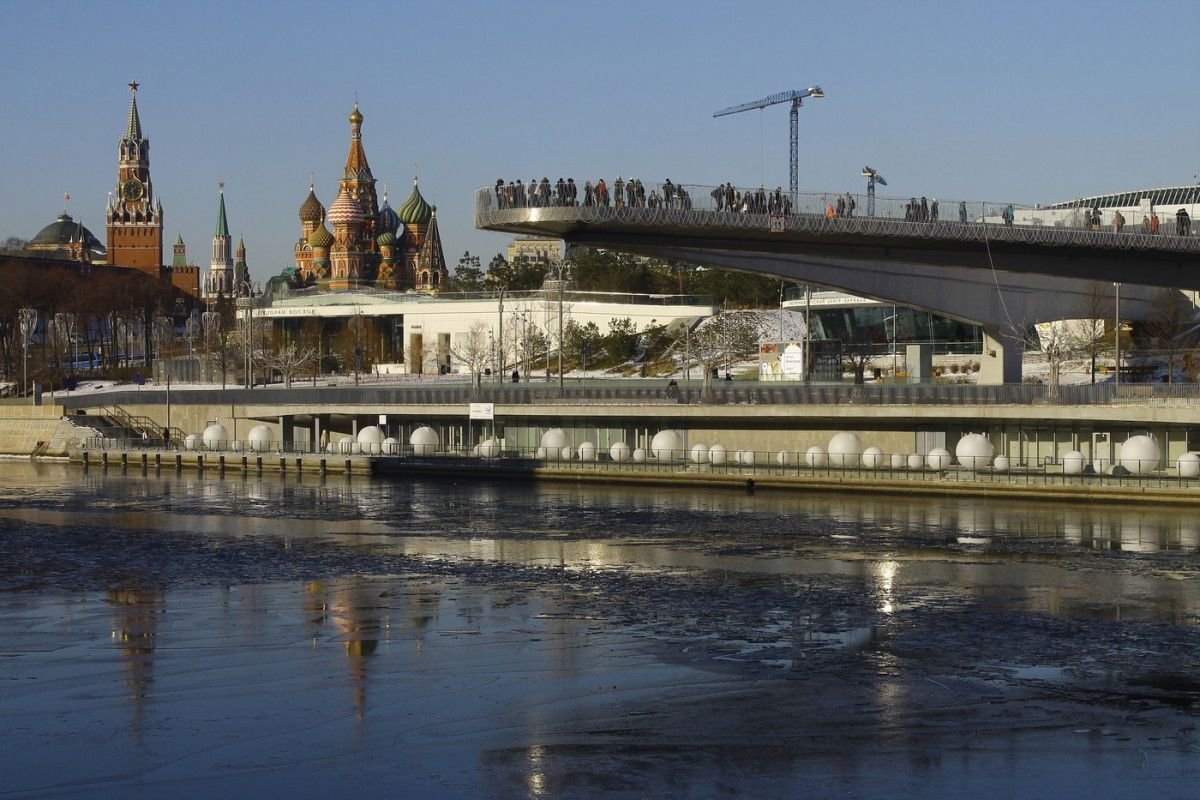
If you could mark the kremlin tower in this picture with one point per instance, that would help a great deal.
(220, 270)
(134, 216)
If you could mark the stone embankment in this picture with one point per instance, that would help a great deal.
(29, 430)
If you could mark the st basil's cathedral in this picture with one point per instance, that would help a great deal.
(370, 245)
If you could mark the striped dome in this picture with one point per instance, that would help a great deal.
(321, 237)
(345, 211)
(311, 209)
(386, 239)
(415, 210)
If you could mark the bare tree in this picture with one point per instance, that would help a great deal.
(1173, 330)
(1055, 342)
(253, 344)
(1092, 340)
(472, 350)
(311, 335)
(357, 345)
(288, 357)
(722, 339)
(858, 353)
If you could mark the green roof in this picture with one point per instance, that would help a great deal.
(222, 223)
(415, 210)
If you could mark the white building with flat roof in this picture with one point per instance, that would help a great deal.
(407, 327)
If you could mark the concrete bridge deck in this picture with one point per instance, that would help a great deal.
(1058, 248)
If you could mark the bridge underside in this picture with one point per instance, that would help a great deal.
(979, 247)
(1003, 303)
(993, 278)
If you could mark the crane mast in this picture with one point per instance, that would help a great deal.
(795, 97)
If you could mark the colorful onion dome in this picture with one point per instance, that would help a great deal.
(388, 220)
(321, 237)
(311, 209)
(345, 211)
(386, 239)
(415, 210)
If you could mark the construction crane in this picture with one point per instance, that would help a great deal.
(794, 97)
(873, 177)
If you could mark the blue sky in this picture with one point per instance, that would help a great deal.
(1020, 101)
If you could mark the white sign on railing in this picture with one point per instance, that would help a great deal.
(485, 411)
(777, 223)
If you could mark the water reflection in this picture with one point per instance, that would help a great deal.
(545, 640)
(351, 607)
(550, 508)
(897, 550)
(135, 615)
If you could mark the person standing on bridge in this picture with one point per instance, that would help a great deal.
(924, 213)
(1154, 222)
(500, 193)
(1183, 223)
(840, 210)
(933, 210)
(1118, 222)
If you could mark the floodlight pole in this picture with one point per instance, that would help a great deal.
(1117, 331)
(560, 327)
(28, 317)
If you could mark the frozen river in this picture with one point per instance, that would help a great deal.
(176, 636)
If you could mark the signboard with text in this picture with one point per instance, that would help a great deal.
(781, 360)
(484, 411)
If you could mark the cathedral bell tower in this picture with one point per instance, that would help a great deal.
(134, 216)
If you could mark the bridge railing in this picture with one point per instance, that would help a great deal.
(642, 392)
(745, 207)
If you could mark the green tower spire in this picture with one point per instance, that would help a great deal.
(222, 223)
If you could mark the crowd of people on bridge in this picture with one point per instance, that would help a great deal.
(727, 199)
(624, 193)
(759, 201)
(922, 211)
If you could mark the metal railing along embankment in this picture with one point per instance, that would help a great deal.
(634, 392)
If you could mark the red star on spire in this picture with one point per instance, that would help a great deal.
(133, 86)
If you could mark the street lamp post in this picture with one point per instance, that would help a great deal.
(687, 352)
(807, 332)
(210, 324)
(246, 303)
(560, 325)
(499, 369)
(894, 348)
(28, 318)
(1117, 331)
